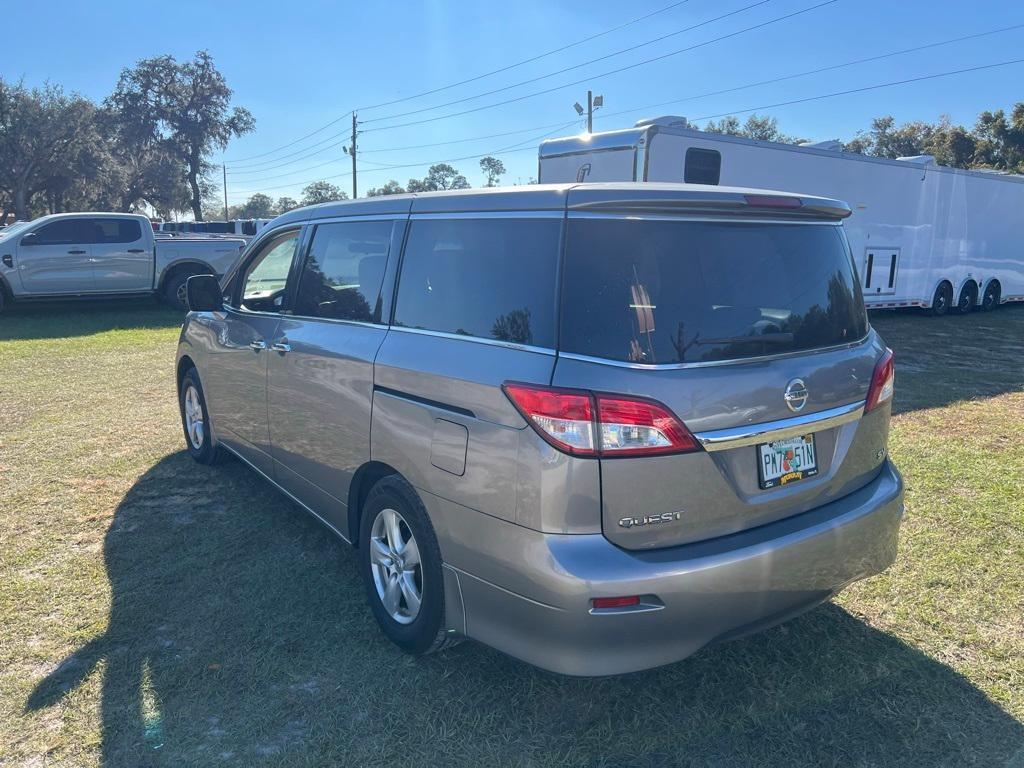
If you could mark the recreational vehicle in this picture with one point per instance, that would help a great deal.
(922, 234)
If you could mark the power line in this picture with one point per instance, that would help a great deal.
(463, 82)
(526, 61)
(571, 68)
(604, 74)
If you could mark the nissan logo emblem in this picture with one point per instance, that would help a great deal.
(795, 395)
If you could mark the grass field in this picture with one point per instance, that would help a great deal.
(158, 613)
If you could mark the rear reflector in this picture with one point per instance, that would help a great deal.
(772, 201)
(586, 423)
(616, 602)
(883, 382)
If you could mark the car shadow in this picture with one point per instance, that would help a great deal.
(238, 634)
(941, 360)
(65, 319)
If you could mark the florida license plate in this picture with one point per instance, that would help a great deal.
(785, 461)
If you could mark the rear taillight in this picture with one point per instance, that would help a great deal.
(596, 424)
(882, 382)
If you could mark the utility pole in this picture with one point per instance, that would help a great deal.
(351, 151)
(590, 111)
(225, 169)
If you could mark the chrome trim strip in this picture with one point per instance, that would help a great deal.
(713, 363)
(273, 482)
(537, 213)
(475, 340)
(737, 437)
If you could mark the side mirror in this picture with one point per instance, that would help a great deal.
(202, 293)
(30, 239)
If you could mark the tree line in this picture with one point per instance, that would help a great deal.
(148, 142)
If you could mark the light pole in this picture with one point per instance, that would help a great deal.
(593, 102)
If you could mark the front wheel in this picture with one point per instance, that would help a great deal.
(174, 294)
(195, 420)
(400, 563)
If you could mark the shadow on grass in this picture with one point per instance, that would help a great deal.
(239, 635)
(940, 360)
(57, 320)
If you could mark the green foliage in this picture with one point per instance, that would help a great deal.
(322, 192)
(493, 169)
(285, 204)
(439, 177)
(391, 188)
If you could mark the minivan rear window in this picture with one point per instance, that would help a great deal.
(658, 291)
(482, 277)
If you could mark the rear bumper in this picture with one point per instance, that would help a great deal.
(528, 593)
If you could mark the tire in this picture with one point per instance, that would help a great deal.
(991, 298)
(418, 629)
(174, 287)
(968, 299)
(3, 298)
(192, 403)
(942, 299)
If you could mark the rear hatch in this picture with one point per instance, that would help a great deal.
(752, 331)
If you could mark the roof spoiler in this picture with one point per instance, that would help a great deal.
(589, 198)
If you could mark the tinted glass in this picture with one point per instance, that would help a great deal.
(702, 166)
(491, 278)
(64, 232)
(342, 274)
(267, 275)
(115, 230)
(688, 291)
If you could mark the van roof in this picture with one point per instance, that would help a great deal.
(624, 196)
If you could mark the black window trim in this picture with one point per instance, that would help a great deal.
(257, 249)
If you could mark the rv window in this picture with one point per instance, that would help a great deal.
(703, 166)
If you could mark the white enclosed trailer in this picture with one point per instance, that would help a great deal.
(923, 235)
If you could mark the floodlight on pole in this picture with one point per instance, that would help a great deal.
(579, 109)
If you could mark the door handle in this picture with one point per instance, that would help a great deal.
(281, 346)
(136, 250)
(257, 345)
(8, 260)
(77, 253)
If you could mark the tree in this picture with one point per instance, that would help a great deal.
(391, 188)
(493, 169)
(189, 103)
(440, 176)
(285, 204)
(1000, 141)
(258, 206)
(760, 128)
(322, 192)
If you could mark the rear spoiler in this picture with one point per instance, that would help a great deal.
(592, 197)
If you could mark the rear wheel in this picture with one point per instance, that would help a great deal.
(195, 420)
(400, 563)
(942, 299)
(174, 287)
(968, 298)
(991, 298)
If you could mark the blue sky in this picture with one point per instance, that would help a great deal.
(298, 66)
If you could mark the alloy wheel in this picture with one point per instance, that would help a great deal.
(395, 563)
(194, 424)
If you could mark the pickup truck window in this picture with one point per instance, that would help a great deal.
(115, 230)
(64, 232)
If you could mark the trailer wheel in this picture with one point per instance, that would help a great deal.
(968, 298)
(942, 299)
(991, 298)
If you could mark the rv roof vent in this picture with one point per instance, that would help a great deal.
(832, 145)
(676, 121)
(918, 159)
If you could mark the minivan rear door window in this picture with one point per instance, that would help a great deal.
(481, 277)
(657, 291)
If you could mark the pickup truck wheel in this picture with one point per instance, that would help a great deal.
(195, 420)
(400, 562)
(174, 287)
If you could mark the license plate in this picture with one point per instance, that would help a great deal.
(785, 461)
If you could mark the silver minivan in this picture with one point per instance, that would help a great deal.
(595, 426)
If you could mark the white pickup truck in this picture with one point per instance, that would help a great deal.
(100, 255)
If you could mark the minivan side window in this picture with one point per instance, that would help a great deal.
(266, 276)
(481, 277)
(702, 166)
(343, 271)
(64, 232)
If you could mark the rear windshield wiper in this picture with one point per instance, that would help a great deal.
(766, 338)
